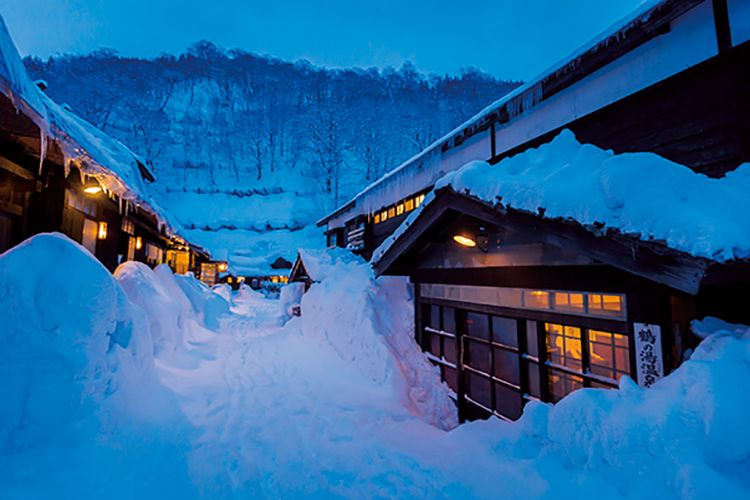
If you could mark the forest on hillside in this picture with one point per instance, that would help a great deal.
(225, 114)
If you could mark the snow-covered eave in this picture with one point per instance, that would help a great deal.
(614, 33)
(683, 271)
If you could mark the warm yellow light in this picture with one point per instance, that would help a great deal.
(222, 267)
(465, 241)
(92, 189)
(138, 243)
(102, 231)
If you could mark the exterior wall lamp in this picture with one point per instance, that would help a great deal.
(92, 186)
(467, 240)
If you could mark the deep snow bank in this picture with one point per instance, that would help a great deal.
(370, 323)
(81, 403)
(685, 437)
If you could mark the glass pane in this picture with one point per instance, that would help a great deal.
(478, 356)
(449, 320)
(536, 299)
(564, 345)
(569, 302)
(505, 331)
(598, 385)
(88, 240)
(478, 325)
(434, 343)
(506, 366)
(449, 350)
(449, 375)
(561, 384)
(435, 317)
(508, 402)
(474, 412)
(532, 374)
(611, 306)
(479, 389)
(607, 357)
(532, 345)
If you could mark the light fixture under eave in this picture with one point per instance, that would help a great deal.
(92, 186)
(464, 240)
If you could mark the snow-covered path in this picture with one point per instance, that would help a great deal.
(151, 386)
(281, 414)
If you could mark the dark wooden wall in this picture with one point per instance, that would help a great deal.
(698, 118)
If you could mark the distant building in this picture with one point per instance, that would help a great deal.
(512, 306)
(59, 173)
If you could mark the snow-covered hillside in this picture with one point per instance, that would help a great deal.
(149, 385)
(267, 146)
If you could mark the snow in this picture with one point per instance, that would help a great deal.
(82, 145)
(251, 253)
(641, 194)
(337, 403)
(321, 263)
(423, 169)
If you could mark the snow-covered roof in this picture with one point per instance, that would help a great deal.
(94, 153)
(638, 194)
(612, 34)
(321, 263)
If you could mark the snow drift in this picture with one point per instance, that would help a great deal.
(334, 404)
(82, 404)
(370, 323)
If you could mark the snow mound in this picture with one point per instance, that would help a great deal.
(370, 323)
(321, 263)
(78, 384)
(57, 338)
(636, 193)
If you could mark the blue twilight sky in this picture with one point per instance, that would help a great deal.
(512, 39)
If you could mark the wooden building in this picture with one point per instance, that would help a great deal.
(672, 78)
(513, 307)
(60, 174)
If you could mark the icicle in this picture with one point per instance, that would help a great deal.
(120, 203)
(66, 164)
(42, 148)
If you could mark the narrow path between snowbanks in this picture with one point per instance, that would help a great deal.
(154, 386)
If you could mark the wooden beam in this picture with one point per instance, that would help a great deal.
(650, 260)
(11, 167)
(11, 208)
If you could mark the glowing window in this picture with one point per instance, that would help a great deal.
(561, 384)
(572, 302)
(564, 345)
(391, 212)
(102, 231)
(536, 299)
(90, 230)
(128, 226)
(409, 205)
(377, 218)
(606, 305)
(131, 248)
(609, 354)
(383, 215)
(418, 200)
(399, 209)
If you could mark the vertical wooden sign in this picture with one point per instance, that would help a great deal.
(648, 355)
